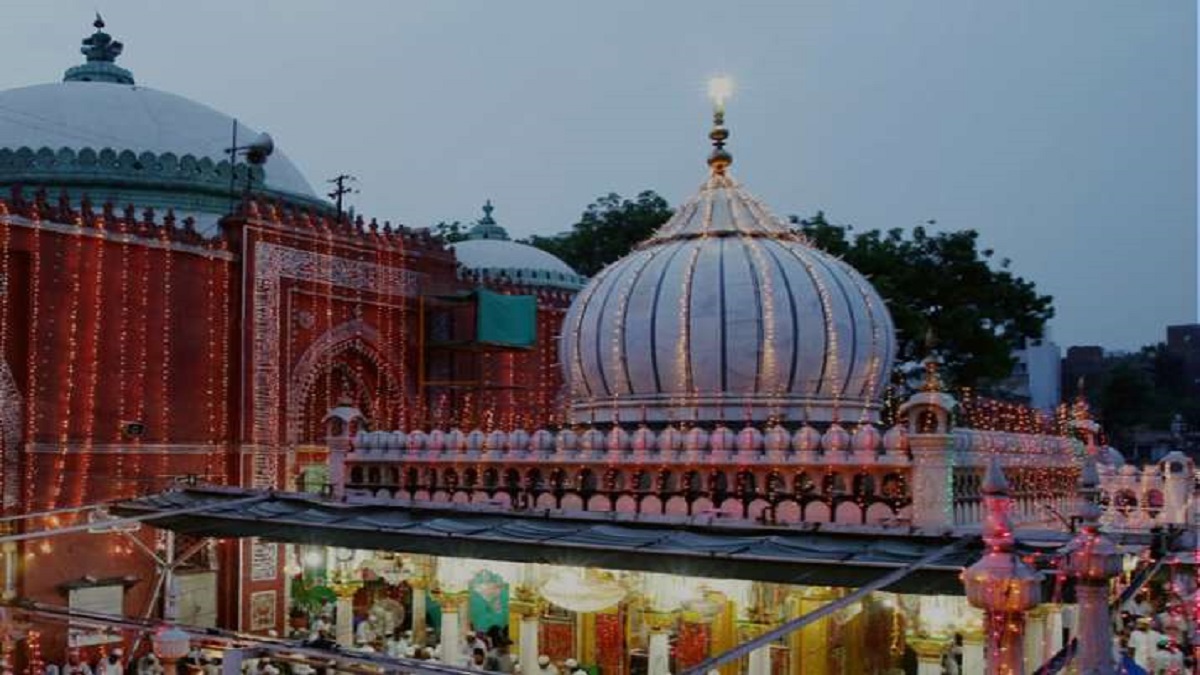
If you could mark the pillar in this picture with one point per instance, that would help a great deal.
(419, 610)
(659, 649)
(8, 550)
(1035, 637)
(527, 651)
(760, 661)
(528, 610)
(930, 651)
(451, 630)
(932, 476)
(344, 621)
(809, 646)
(1054, 630)
(1095, 654)
(973, 658)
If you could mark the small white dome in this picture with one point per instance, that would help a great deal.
(489, 253)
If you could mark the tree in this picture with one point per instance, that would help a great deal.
(609, 228)
(943, 285)
(450, 233)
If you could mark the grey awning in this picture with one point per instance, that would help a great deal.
(761, 553)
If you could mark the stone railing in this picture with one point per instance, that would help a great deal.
(773, 475)
(1042, 472)
(1154, 495)
(858, 476)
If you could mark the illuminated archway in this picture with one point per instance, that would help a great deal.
(347, 362)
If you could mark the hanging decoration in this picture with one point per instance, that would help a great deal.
(583, 590)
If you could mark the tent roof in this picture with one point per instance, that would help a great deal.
(763, 553)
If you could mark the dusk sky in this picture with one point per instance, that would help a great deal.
(1065, 132)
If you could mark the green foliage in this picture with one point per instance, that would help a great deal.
(609, 228)
(308, 595)
(942, 284)
(450, 233)
(1142, 392)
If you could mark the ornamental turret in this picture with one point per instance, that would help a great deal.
(1001, 584)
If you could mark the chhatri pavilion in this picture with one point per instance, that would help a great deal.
(728, 493)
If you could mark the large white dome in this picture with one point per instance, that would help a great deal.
(726, 315)
(98, 115)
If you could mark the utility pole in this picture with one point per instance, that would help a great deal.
(340, 190)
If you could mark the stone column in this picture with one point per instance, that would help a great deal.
(973, 658)
(1054, 630)
(9, 552)
(528, 608)
(344, 622)
(809, 646)
(932, 478)
(419, 610)
(659, 649)
(451, 630)
(930, 651)
(1035, 636)
(759, 662)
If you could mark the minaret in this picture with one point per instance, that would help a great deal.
(1001, 584)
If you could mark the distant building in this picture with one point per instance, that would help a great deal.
(1035, 377)
(1183, 343)
(1085, 361)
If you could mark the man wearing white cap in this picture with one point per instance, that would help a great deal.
(571, 665)
(545, 667)
(75, 665)
(113, 665)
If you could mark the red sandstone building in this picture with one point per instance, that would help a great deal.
(169, 316)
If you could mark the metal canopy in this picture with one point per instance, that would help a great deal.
(761, 553)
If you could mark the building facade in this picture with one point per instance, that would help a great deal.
(168, 316)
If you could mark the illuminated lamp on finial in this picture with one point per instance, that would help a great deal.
(720, 89)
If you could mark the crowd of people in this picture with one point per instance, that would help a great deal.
(1156, 635)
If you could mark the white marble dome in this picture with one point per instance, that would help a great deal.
(99, 135)
(97, 115)
(726, 315)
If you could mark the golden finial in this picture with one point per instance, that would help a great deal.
(719, 90)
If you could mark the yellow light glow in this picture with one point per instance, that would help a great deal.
(720, 88)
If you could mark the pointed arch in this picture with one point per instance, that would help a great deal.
(354, 336)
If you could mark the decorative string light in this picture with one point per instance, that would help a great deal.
(73, 272)
(97, 322)
(6, 290)
(33, 360)
(164, 376)
(123, 411)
